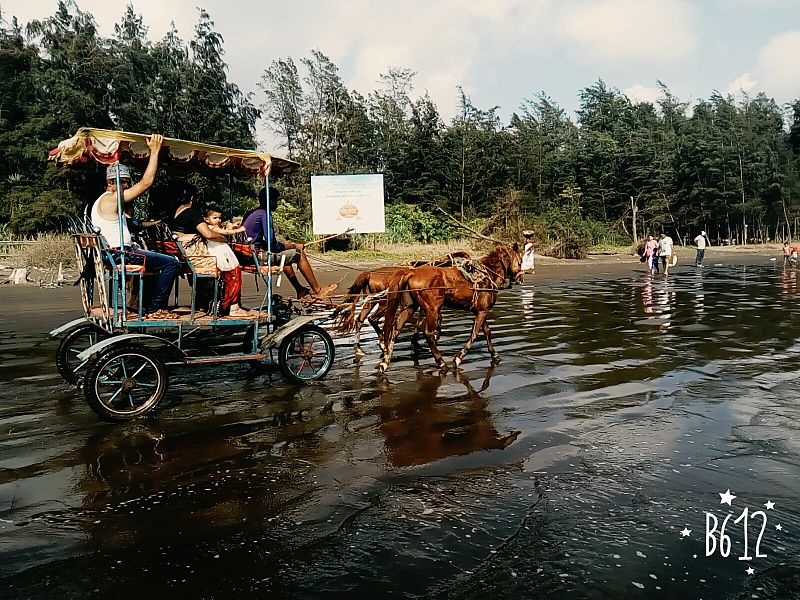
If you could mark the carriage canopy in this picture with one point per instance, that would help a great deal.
(107, 147)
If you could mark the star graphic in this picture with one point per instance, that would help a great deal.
(778, 527)
(686, 531)
(726, 498)
(750, 570)
(770, 505)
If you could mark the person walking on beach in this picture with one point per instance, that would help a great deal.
(651, 254)
(700, 242)
(665, 251)
(786, 253)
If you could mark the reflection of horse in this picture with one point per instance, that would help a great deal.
(431, 288)
(422, 427)
(369, 283)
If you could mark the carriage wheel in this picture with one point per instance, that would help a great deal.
(306, 354)
(125, 382)
(76, 341)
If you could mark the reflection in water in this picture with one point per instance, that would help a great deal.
(788, 281)
(528, 307)
(434, 421)
(658, 300)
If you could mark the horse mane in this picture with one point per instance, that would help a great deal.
(497, 260)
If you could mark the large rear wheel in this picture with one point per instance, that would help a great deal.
(125, 382)
(306, 354)
(73, 343)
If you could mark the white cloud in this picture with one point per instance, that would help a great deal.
(631, 31)
(777, 70)
(638, 93)
(744, 84)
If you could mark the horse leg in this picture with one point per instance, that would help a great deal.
(494, 353)
(402, 317)
(362, 316)
(431, 331)
(480, 319)
(375, 321)
(415, 337)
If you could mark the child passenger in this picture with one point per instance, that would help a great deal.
(227, 262)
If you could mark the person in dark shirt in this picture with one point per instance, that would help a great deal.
(260, 229)
(193, 232)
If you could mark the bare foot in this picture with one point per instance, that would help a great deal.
(326, 291)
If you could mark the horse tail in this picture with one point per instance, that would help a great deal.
(345, 313)
(397, 294)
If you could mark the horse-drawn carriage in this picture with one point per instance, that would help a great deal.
(122, 356)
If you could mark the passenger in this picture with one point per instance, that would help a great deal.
(105, 216)
(137, 227)
(786, 253)
(227, 262)
(194, 234)
(255, 223)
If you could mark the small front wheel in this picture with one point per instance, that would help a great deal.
(306, 354)
(125, 382)
(73, 343)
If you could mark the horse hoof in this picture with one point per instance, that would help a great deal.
(443, 366)
(382, 367)
(457, 361)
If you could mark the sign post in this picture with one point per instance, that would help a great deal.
(347, 202)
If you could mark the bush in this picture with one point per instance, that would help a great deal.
(406, 223)
(42, 211)
(49, 250)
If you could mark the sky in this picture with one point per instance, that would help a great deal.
(500, 51)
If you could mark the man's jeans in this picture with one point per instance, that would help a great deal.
(701, 253)
(166, 266)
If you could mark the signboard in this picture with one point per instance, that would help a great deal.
(341, 202)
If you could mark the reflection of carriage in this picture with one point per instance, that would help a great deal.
(121, 355)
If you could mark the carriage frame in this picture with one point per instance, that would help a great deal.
(120, 357)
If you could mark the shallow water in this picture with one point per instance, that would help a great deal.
(622, 407)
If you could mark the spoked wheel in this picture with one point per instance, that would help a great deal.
(125, 382)
(76, 341)
(306, 354)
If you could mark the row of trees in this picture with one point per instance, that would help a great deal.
(618, 170)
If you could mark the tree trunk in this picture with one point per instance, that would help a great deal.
(635, 213)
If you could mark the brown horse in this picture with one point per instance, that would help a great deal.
(431, 288)
(375, 282)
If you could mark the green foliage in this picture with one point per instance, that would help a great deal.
(408, 223)
(49, 210)
(292, 222)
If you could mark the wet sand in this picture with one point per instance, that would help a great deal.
(622, 407)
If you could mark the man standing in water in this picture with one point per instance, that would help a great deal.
(665, 251)
(700, 242)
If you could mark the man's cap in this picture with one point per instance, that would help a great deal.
(124, 172)
(702, 233)
(527, 233)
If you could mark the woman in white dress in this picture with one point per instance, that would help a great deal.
(528, 252)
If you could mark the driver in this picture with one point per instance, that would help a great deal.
(255, 224)
(105, 217)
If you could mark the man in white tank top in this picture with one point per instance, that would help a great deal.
(105, 216)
